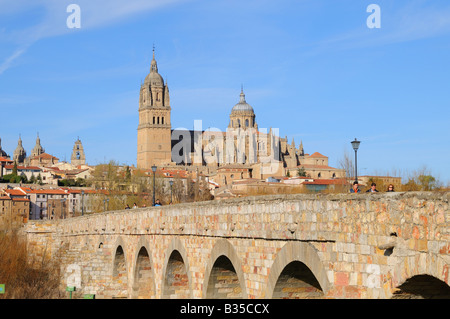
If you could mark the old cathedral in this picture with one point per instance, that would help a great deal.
(243, 151)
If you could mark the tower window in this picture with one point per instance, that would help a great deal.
(162, 120)
(154, 119)
(158, 120)
(246, 122)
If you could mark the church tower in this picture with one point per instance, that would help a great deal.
(38, 149)
(19, 155)
(78, 157)
(154, 144)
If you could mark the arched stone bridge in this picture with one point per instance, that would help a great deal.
(286, 246)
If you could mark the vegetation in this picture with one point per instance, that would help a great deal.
(125, 186)
(79, 182)
(23, 278)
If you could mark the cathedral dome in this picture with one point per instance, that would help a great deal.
(242, 106)
(154, 78)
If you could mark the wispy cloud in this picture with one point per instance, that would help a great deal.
(415, 21)
(9, 61)
(94, 14)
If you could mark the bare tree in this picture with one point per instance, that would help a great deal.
(346, 163)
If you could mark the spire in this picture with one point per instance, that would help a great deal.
(153, 65)
(242, 95)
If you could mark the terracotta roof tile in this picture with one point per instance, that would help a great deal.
(317, 154)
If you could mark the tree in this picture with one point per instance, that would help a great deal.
(346, 163)
(427, 182)
(422, 180)
(301, 171)
(14, 171)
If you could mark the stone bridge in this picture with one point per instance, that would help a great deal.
(283, 246)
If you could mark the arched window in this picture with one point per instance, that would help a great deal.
(162, 120)
(158, 120)
(239, 123)
(154, 120)
(246, 122)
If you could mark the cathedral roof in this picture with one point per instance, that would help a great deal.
(242, 106)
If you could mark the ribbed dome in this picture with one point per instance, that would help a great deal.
(242, 106)
(154, 78)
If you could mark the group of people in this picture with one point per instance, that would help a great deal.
(372, 189)
(157, 203)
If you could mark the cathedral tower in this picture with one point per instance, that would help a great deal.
(154, 144)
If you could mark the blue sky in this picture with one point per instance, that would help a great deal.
(311, 68)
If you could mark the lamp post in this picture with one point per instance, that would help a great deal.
(171, 197)
(355, 145)
(154, 171)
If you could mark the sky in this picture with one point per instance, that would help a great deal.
(315, 69)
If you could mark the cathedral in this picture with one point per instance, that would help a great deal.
(242, 151)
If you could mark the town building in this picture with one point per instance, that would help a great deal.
(14, 209)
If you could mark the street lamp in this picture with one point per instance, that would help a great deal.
(171, 183)
(154, 171)
(355, 145)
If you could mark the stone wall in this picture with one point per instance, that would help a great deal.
(353, 245)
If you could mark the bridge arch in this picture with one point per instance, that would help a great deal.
(119, 275)
(176, 280)
(224, 262)
(143, 272)
(294, 257)
(413, 267)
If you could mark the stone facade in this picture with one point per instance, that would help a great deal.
(299, 246)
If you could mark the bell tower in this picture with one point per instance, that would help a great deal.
(78, 157)
(154, 144)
